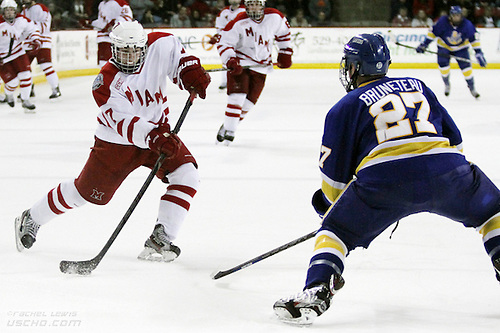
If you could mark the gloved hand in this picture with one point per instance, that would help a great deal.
(193, 76)
(234, 65)
(285, 58)
(421, 48)
(162, 141)
(214, 39)
(34, 46)
(319, 203)
(480, 58)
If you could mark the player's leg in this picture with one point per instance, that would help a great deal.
(466, 67)
(237, 89)
(444, 68)
(106, 168)
(8, 72)
(44, 59)
(183, 182)
(354, 220)
(103, 53)
(475, 202)
(256, 85)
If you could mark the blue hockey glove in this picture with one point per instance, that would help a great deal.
(480, 58)
(423, 46)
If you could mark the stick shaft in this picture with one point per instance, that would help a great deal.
(263, 256)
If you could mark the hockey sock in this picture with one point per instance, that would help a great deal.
(470, 83)
(328, 258)
(491, 236)
(25, 84)
(58, 201)
(175, 203)
(50, 74)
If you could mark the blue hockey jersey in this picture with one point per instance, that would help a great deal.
(454, 38)
(381, 122)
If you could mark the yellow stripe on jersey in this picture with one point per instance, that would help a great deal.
(406, 148)
(458, 47)
(325, 241)
(331, 192)
(492, 224)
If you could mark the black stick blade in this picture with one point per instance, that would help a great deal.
(77, 267)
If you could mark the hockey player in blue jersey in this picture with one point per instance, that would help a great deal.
(389, 150)
(454, 35)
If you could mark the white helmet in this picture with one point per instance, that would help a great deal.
(128, 46)
(9, 4)
(255, 9)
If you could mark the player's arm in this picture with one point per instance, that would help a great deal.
(284, 43)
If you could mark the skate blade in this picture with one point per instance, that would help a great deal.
(17, 225)
(149, 254)
(307, 316)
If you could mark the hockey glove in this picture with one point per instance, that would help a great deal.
(193, 76)
(234, 65)
(319, 203)
(423, 46)
(480, 58)
(162, 141)
(214, 39)
(285, 58)
(34, 46)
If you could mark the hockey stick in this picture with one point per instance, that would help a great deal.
(223, 69)
(219, 274)
(11, 44)
(394, 39)
(86, 267)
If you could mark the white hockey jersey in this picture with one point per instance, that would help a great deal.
(13, 34)
(40, 15)
(252, 42)
(226, 15)
(110, 13)
(133, 104)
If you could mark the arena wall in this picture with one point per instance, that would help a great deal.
(75, 52)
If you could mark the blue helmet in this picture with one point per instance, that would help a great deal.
(456, 10)
(365, 55)
(456, 15)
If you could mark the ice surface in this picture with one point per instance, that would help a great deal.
(432, 276)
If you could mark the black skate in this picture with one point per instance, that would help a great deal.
(55, 93)
(447, 89)
(26, 230)
(28, 107)
(304, 307)
(224, 136)
(158, 247)
(474, 92)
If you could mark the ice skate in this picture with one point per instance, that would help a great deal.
(304, 307)
(55, 93)
(28, 106)
(474, 92)
(10, 100)
(447, 89)
(158, 247)
(26, 230)
(224, 136)
(3, 99)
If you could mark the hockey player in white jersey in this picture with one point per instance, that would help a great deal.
(226, 15)
(40, 15)
(248, 41)
(133, 130)
(110, 13)
(15, 66)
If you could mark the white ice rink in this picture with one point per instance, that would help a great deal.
(432, 276)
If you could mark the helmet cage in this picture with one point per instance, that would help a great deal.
(365, 55)
(128, 46)
(255, 9)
